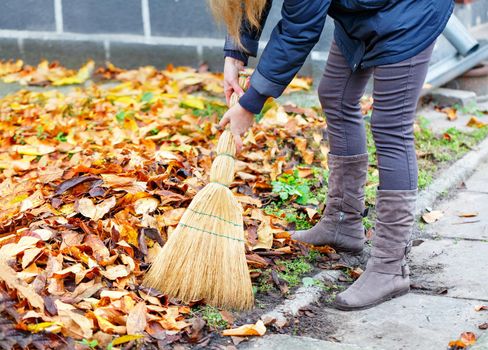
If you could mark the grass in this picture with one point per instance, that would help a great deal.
(294, 194)
(212, 316)
(293, 270)
(434, 151)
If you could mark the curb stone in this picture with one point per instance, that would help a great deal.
(452, 176)
(287, 342)
(481, 343)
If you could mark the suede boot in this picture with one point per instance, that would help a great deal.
(341, 225)
(387, 274)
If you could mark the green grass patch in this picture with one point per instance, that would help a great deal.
(293, 270)
(212, 316)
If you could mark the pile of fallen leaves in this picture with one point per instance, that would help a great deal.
(92, 182)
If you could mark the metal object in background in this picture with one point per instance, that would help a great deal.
(459, 37)
(470, 53)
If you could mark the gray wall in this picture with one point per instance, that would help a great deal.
(131, 33)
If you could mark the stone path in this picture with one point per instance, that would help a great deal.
(450, 275)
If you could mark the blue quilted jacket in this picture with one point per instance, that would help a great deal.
(368, 32)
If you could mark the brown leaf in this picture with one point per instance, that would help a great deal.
(468, 338)
(136, 320)
(95, 212)
(468, 214)
(74, 323)
(115, 271)
(23, 289)
(481, 307)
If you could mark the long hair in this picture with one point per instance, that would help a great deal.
(232, 12)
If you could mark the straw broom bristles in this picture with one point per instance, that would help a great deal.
(204, 258)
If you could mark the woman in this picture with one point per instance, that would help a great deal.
(392, 40)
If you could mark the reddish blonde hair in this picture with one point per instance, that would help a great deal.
(232, 12)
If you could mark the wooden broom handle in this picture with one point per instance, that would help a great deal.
(243, 83)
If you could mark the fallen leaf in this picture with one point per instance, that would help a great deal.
(432, 216)
(311, 212)
(481, 307)
(95, 212)
(23, 289)
(136, 320)
(126, 338)
(258, 329)
(468, 214)
(146, 205)
(468, 338)
(475, 122)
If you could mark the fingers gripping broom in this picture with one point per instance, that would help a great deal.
(204, 257)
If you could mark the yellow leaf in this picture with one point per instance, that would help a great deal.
(29, 150)
(193, 102)
(45, 326)
(475, 122)
(83, 75)
(126, 338)
(246, 330)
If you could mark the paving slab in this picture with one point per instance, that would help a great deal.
(455, 224)
(481, 343)
(458, 265)
(288, 342)
(413, 321)
(479, 180)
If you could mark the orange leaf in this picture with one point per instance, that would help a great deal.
(258, 329)
(468, 338)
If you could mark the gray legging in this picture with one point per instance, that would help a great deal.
(396, 91)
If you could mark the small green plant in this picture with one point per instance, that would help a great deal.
(313, 256)
(210, 110)
(154, 131)
(120, 116)
(289, 186)
(92, 344)
(264, 282)
(62, 137)
(147, 97)
(290, 214)
(312, 282)
(293, 270)
(40, 132)
(368, 223)
(213, 317)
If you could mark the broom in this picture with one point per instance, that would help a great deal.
(204, 257)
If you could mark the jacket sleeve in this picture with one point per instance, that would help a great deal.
(249, 38)
(289, 45)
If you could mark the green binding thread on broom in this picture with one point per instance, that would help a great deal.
(212, 233)
(226, 154)
(216, 217)
(218, 183)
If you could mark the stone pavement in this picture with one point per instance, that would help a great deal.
(450, 277)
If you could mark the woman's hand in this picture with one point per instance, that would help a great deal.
(240, 120)
(232, 67)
